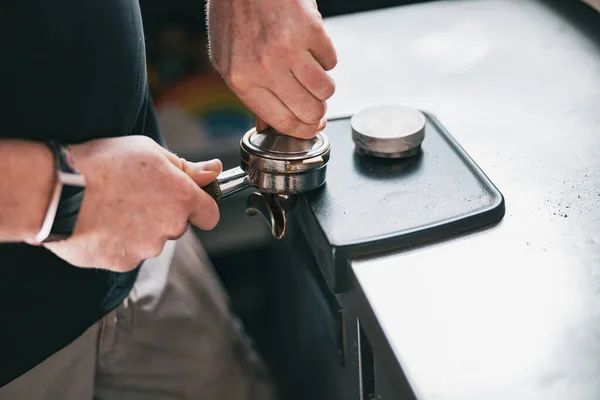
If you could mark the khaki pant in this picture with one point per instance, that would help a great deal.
(172, 338)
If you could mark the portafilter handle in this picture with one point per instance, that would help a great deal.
(227, 183)
(233, 180)
(272, 207)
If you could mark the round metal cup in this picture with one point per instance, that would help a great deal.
(388, 131)
(280, 164)
(295, 183)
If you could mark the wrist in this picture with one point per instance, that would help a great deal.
(41, 160)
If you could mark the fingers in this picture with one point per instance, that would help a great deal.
(277, 68)
(305, 107)
(204, 212)
(261, 125)
(313, 77)
(268, 107)
(174, 159)
(322, 48)
(203, 173)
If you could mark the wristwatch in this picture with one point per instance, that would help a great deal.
(67, 196)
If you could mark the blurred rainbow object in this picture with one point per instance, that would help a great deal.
(201, 117)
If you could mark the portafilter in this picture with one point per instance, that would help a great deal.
(280, 167)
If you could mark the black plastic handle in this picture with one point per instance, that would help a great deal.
(214, 190)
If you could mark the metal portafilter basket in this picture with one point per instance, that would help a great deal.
(280, 167)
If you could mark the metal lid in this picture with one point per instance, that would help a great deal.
(272, 151)
(388, 131)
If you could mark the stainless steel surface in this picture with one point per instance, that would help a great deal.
(227, 183)
(283, 167)
(237, 179)
(231, 187)
(511, 312)
(287, 183)
(231, 175)
(388, 131)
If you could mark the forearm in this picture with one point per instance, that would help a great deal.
(28, 175)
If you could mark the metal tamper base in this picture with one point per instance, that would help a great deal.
(388, 131)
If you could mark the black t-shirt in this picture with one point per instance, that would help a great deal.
(72, 70)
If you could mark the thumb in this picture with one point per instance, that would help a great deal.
(202, 173)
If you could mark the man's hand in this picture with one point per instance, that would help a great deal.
(138, 196)
(273, 54)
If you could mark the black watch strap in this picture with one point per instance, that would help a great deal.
(67, 196)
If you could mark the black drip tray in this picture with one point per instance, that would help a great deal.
(370, 206)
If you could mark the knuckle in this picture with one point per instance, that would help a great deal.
(334, 61)
(315, 113)
(126, 264)
(266, 61)
(120, 256)
(212, 224)
(145, 144)
(316, 24)
(156, 249)
(147, 156)
(327, 89)
(146, 139)
(237, 80)
(148, 250)
(182, 228)
(210, 215)
(314, 81)
(155, 159)
(187, 195)
(329, 60)
(285, 42)
(213, 220)
(319, 82)
(178, 229)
